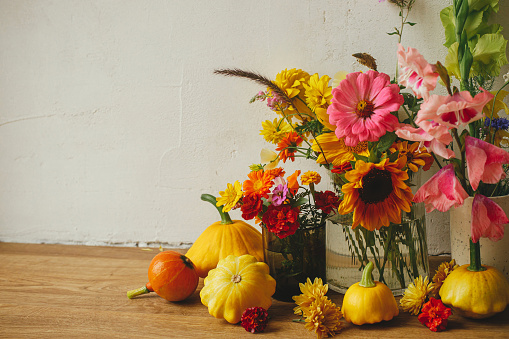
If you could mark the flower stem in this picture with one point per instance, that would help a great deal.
(475, 257)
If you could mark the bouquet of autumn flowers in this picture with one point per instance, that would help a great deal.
(281, 204)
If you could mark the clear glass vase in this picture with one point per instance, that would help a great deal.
(295, 258)
(399, 252)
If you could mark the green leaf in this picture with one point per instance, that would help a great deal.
(490, 50)
(411, 23)
(360, 157)
(447, 18)
(386, 141)
(483, 5)
(300, 202)
(393, 33)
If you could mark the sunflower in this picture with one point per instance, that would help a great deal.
(288, 146)
(415, 295)
(376, 193)
(259, 183)
(275, 131)
(416, 157)
(230, 196)
(330, 149)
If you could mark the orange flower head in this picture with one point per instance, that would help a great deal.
(287, 147)
(259, 183)
(293, 184)
(276, 172)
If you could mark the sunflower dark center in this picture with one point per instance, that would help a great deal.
(376, 186)
(364, 109)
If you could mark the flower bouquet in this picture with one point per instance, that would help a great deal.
(293, 219)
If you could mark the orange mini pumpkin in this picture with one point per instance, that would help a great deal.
(171, 275)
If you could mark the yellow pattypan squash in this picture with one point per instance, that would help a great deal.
(476, 294)
(235, 284)
(368, 301)
(222, 239)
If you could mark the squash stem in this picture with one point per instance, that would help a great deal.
(139, 291)
(475, 257)
(367, 278)
(225, 217)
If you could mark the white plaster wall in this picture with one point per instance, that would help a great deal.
(112, 124)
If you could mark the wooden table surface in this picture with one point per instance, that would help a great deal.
(59, 291)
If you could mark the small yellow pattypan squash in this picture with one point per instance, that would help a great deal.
(235, 284)
(222, 239)
(368, 301)
(475, 290)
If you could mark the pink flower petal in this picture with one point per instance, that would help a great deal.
(488, 219)
(484, 162)
(441, 191)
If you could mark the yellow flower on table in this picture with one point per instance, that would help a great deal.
(415, 295)
(443, 271)
(310, 292)
(323, 317)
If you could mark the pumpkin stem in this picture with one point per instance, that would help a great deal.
(367, 278)
(225, 217)
(475, 257)
(139, 291)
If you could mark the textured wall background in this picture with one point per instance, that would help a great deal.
(112, 124)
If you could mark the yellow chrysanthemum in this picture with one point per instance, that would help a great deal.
(416, 157)
(330, 149)
(310, 292)
(323, 317)
(376, 193)
(275, 131)
(415, 295)
(310, 177)
(318, 92)
(292, 83)
(230, 196)
(442, 272)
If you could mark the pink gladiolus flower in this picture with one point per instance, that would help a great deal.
(433, 136)
(488, 219)
(441, 191)
(416, 73)
(484, 162)
(453, 111)
(361, 107)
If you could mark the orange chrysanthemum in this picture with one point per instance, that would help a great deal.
(287, 147)
(376, 193)
(259, 183)
(276, 172)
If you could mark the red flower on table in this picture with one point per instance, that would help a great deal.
(254, 319)
(434, 315)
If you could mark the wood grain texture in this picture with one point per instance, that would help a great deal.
(59, 291)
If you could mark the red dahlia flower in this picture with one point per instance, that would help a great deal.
(326, 201)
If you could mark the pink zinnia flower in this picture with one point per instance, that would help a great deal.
(416, 73)
(361, 107)
(279, 195)
(484, 162)
(453, 111)
(433, 136)
(441, 191)
(488, 219)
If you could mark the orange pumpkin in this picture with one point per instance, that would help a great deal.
(171, 275)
